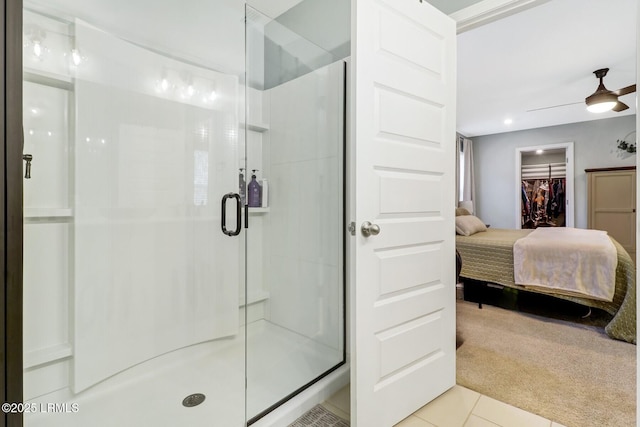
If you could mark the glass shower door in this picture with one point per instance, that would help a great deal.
(131, 287)
(295, 97)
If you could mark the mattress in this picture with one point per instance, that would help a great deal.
(488, 256)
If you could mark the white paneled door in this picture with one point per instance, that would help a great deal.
(403, 343)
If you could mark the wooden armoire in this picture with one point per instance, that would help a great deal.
(611, 204)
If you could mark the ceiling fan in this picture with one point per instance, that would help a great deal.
(604, 99)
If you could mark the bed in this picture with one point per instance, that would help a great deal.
(487, 256)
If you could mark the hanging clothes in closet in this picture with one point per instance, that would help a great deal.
(542, 196)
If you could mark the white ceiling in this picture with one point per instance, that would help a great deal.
(541, 57)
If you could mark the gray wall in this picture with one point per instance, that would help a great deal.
(325, 23)
(450, 6)
(594, 147)
(320, 34)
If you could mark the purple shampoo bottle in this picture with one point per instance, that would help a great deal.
(253, 192)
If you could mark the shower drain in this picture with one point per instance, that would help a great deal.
(193, 400)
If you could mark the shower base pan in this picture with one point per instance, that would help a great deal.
(152, 393)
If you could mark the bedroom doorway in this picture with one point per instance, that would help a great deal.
(544, 184)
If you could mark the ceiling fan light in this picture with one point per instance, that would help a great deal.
(601, 107)
(602, 100)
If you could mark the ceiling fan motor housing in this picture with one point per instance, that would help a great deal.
(602, 94)
(605, 98)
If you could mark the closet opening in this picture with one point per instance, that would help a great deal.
(544, 185)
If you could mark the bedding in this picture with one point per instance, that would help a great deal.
(540, 261)
(488, 256)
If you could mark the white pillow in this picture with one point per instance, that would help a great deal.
(466, 225)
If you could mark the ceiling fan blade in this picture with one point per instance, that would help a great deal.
(625, 90)
(620, 106)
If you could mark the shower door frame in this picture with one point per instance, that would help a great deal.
(11, 200)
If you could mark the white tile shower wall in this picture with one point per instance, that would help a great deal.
(44, 379)
(52, 56)
(152, 272)
(255, 109)
(255, 141)
(46, 279)
(255, 267)
(254, 155)
(303, 230)
(46, 338)
(46, 295)
(46, 138)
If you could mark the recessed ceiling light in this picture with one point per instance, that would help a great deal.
(508, 121)
(539, 151)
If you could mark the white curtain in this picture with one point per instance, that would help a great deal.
(466, 180)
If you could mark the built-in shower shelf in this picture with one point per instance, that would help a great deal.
(257, 127)
(47, 78)
(254, 297)
(258, 210)
(45, 355)
(48, 213)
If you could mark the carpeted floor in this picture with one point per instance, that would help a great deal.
(568, 372)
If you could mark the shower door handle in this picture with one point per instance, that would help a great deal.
(223, 217)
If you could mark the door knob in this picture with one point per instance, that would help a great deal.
(369, 229)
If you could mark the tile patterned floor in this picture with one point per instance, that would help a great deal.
(459, 407)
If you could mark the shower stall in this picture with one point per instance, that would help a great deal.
(184, 213)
